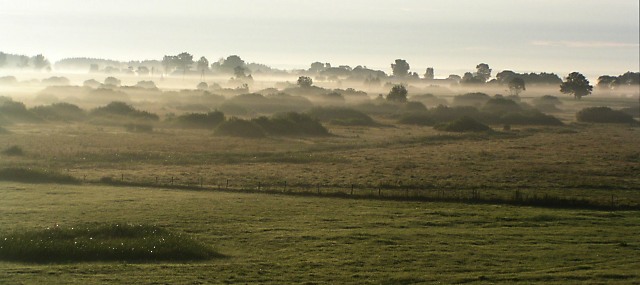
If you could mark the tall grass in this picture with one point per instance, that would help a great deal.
(101, 242)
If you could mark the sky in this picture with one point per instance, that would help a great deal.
(594, 37)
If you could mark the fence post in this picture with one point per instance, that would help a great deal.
(171, 180)
(122, 177)
(227, 184)
(379, 192)
(156, 179)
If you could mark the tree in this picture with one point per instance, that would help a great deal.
(316, 67)
(3, 59)
(203, 64)
(305, 81)
(483, 72)
(112, 81)
(606, 82)
(229, 64)
(40, 62)
(400, 68)
(576, 84)
(516, 85)
(169, 63)
(469, 78)
(184, 61)
(398, 94)
(429, 74)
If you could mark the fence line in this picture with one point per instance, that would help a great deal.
(427, 192)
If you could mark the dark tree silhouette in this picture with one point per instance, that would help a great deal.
(398, 93)
(400, 68)
(576, 84)
(169, 63)
(483, 72)
(516, 85)
(203, 64)
(316, 67)
(3, 59)
(40, 62)
(429, 74)
(305, 81)
(184, 61)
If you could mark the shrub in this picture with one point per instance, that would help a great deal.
(92, 83)
(471, 99)
(603, 115)
(429, 100)
(16, 111)
(13, 151)
(341, 116)
(199, 120)
(146, 84)
(124, 110)
(547, 103)
(501, 106)
(102, 242)
(532, 117)
(112, 81)
(59, 112)
(447, 114)
(8, 80)
(35, 176)
(236, 127)
(291, 124)
(464, 124)
(56, 81)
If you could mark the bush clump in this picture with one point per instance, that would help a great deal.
(341, 116)
(464, 124)
(604, 115)
(121, 109)
(471, 99)
(199, 120)
(13, 151)
(35, 176)
(236, 127)
(530, 117)
(101, 242)
(59, 112)
(501, 106)
(291, 124)
(420, 119)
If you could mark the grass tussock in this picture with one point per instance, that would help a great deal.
(102, 242)
(35, 176)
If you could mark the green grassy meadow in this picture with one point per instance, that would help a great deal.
(284, 239)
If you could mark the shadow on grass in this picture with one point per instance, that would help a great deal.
(102, 242)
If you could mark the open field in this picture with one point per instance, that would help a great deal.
(310, 240)
(594, 162)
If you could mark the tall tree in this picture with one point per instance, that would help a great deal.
(184, 60)
(400, 68)
(429, 74)
(483, 72)
(576, 84)
(203, 64)
(40, 62)
(516, 85)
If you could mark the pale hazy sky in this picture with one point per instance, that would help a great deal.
(591, 36)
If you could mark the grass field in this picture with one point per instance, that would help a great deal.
(309, 240)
